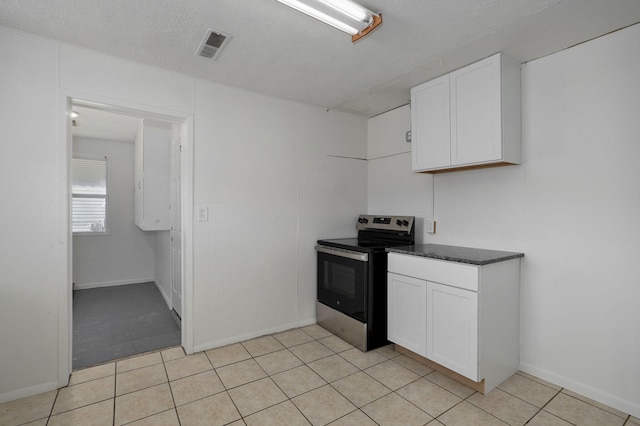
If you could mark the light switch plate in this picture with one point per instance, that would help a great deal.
(203, 214)
(431, 226)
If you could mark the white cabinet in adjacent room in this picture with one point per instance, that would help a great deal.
(152, 171)
(469, 118)
(406, 314)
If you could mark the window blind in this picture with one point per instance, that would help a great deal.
(89, 194)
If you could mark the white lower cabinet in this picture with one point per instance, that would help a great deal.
(463, 317)
(406, 317)
(452, 328)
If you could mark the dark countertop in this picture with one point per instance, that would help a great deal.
(472, 256)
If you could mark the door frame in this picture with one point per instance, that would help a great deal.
(65, 291)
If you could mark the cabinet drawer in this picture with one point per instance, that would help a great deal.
(450, 273)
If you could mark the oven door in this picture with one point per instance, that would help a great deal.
(342, 281)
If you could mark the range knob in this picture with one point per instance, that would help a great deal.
(363, 220)
(405, 222)
(399, 222)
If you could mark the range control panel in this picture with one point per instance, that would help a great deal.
(387, 223)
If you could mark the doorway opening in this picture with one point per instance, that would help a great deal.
(126, 256)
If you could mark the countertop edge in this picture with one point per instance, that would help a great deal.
(494, 256)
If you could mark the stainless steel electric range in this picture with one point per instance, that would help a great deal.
(352, 279)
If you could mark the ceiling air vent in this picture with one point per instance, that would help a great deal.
(212, 44)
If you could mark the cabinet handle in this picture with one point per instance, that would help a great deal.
(139, 185)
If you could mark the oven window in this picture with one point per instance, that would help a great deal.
(341, 284)
(344, 280)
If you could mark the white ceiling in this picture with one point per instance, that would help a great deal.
(277, 51)
(99, 124)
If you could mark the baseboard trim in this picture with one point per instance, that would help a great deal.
(112, 283)
(598, 395)
(165, 296)
(30, 391)
(246, 336)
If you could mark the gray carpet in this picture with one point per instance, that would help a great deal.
(115, 322)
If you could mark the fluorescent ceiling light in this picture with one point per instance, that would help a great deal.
(344, 15)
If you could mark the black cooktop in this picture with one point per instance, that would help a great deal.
(363, 246)
(377, 233)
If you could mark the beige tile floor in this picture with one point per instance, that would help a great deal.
(298, 377)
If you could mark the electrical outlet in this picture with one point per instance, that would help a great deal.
(431, 226)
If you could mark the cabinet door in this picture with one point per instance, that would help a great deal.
(138, 177)
(430, 125)
(407, 312)
(476, 124)
(452, 328)
(152, 165)
(156, 175)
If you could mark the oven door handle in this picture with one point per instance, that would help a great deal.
(354, 255)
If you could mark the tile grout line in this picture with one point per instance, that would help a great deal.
(269, 376)
(288, 349)
(558, 392)
(115, 387)
(173, 398)
(327, 383)
(53, 405)
(341, 354)
(334, 388)
(514, 396)
(386, 358)
(410, 402)
(626, 415)
(360, 370)
(288, 399)
(538, 409)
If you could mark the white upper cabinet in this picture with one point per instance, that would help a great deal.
(152, 172)
(430, 124)
(469, 118)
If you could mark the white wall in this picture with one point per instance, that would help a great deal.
(32, 250)
(392, 187)
(572, 207)
(331, 189)
(581, 223)
(262, 171)
(35, 254)
(261, 164)
(126, 254)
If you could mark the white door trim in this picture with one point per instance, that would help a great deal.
(66, 99)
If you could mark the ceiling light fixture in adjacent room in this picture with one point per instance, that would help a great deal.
(345, 15)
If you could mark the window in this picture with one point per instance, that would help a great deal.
(89, 194)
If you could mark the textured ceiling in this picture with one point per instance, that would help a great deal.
(100, 124)
(277, 51)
